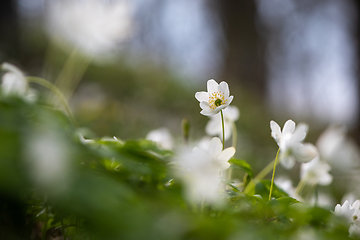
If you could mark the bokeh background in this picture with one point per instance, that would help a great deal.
(136, 65)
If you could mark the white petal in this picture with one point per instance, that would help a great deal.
(232, 113)
(325, 179)
(219, 108)
(356, 205)
(288, 162)
(275, 130)
(212, 86)
(213, 127)
(202, 96)
(226, 154)
(207, 112)
(215, 147)
(289, 127)
(229, 100)
(300, 133)
(305, 152)
(224, 88)
(205, 106)
(228, 129)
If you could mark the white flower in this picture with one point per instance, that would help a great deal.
(215, 99)
(214, 126)
(338, 150)
(352, 214)
(94, 26)
(162, 137)
(47, 155)
(290, 142)
(14, 83)
(200, 170)
(286, 185)
(316, 172)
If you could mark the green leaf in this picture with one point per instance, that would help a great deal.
(243, 165)
(263, 188)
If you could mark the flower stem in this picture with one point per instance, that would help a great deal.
(71, 74)
(223, 129)
(56, 91)
(260, 176)
(273, 175)
(234, 143)
(300, 186)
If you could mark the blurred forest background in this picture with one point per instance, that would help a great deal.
(295, 59)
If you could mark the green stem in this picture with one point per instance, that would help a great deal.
(223, 129)
(273, 175)
(300, 186)
(63, 229)
(234, 143)
(55, 90)
(260, 176)
(234, 134)
(71, 74)
(44, 228)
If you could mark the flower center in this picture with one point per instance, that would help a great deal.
(218, 102)
(216, 99)
(355, 217)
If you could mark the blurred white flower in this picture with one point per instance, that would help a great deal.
(215, 99)
(322, 199)
(47, 155)
(316, 172)
(286, 184)
(162, 138)
(290, 142)
(338, 150)
(214, 126)
(200, 170)
(93, 26)
(352, 214)
(14, 83)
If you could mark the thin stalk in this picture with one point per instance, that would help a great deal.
(223, 129)
(44, 229)
(63, 229)
(234, 134)
(234, 143)
(300, 186)
(56, 91)
(260, 176)
(71, 74)
(273, 175)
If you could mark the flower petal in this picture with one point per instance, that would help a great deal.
(232, 113)
(215, 147)
(288, 162)
(205, 106)
(202, 96)
(275, 130)
(212, 86)
(305, 152)
(289, 127)
(229, 100)
(300, 133)
(226, 154)
(224, 88)
(213, 127)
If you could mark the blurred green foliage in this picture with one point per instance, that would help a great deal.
(127, 190)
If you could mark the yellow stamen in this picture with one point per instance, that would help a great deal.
(216, 99)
